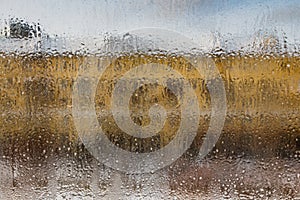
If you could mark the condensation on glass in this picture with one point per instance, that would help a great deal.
(75, 75)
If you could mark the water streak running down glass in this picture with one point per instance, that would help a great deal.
(150, 99)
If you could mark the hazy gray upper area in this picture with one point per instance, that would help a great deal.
(200, 20)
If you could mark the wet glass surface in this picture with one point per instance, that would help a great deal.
(150, 100)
